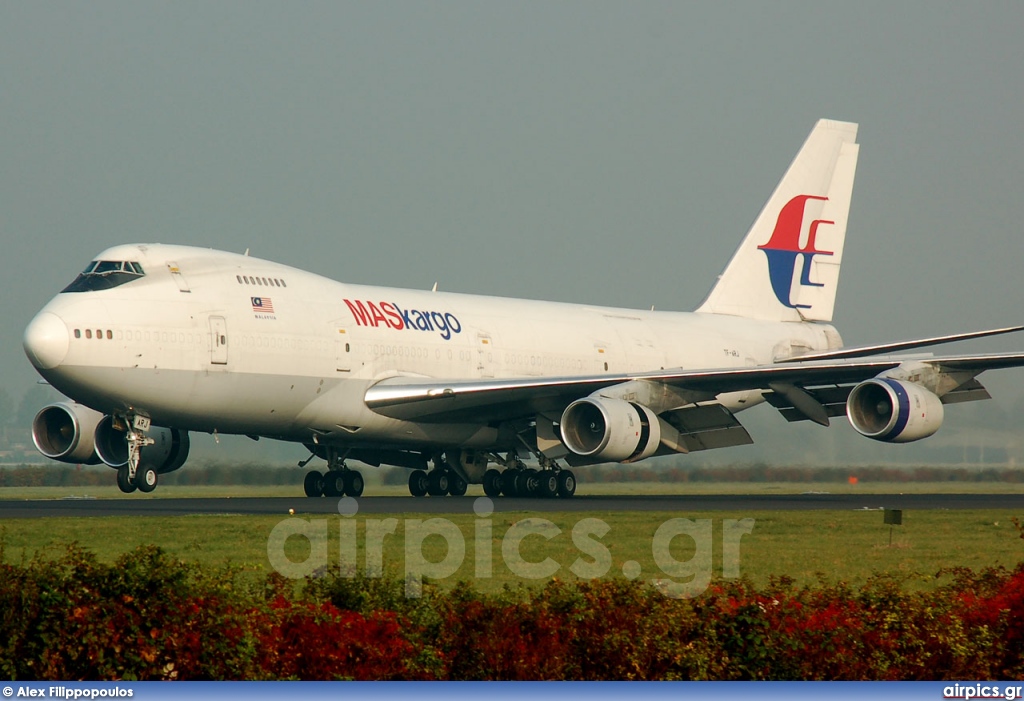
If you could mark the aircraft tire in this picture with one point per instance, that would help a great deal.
(508, 483)
(523, 482)
(548, 484)
(492, 483)
(532, 482)
(123, 483)
(334, 484)
(313, 484)
(457, 486)
(146, 479)
(566, 484)
(438, 483)
(354, 483)
(418, 483)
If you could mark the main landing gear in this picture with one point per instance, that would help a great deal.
(338, 481)
(439, 482)
(516, 480)
(521, 481)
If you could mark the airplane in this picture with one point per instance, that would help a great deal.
(153, 341)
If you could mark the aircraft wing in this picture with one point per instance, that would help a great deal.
(505, 399)
(899, 346)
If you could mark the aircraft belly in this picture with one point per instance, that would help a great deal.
(281, 406)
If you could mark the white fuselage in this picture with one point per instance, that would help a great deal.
(188, 345)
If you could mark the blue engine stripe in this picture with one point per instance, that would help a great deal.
(903, 409)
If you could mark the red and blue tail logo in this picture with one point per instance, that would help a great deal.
(783, 250)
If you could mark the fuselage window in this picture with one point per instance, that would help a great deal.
(88, 333)
(239, 278)
(110, 335)
(283, 284)
(78, 333)
(99, 333)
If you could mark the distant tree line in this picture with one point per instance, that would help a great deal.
(256, 475)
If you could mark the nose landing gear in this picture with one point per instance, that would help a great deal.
(131, 476)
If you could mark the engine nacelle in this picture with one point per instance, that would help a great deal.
(893, 411)
(167, 454)
(64, 431)
(610, 429)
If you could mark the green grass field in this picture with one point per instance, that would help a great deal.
(805, 545)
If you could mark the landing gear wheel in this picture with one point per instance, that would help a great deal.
(438, 483)
(457, 486)
(145, 479)
(492, 483)
(522, 483)
(353, 483)
(532, 482)
(566, 484)
(508, 483)
(313, 484)
(123, 483)
(547, 486)
(418, 483)
(334, 483)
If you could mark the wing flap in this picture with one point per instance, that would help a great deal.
(706, 427)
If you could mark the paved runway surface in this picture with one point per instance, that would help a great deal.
(454, 505)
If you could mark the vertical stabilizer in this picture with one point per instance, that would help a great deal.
(787, 268)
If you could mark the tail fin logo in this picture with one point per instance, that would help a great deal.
(783, 250)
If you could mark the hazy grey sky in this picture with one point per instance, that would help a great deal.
(611, 153)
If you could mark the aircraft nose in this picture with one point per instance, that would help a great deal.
(46, 340)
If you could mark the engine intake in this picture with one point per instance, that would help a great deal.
(167, 454)
(610, 429)
(64, 431)
(893, 411)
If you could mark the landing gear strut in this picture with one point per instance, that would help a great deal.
(132, 476)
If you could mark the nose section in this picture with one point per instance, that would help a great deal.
(46, 340)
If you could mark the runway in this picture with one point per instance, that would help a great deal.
(65, 508)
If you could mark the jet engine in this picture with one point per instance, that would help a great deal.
(64, 431)
(893, 411)
(166, 454)
(610, 429)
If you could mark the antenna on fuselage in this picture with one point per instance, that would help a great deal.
(434, 288)
(246, 254)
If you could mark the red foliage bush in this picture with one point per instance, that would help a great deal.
(150, 617)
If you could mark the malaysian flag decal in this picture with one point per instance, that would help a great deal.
(262, 305)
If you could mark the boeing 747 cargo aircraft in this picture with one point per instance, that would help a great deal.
(153, 341)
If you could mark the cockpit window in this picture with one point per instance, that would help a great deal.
(105, 274)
